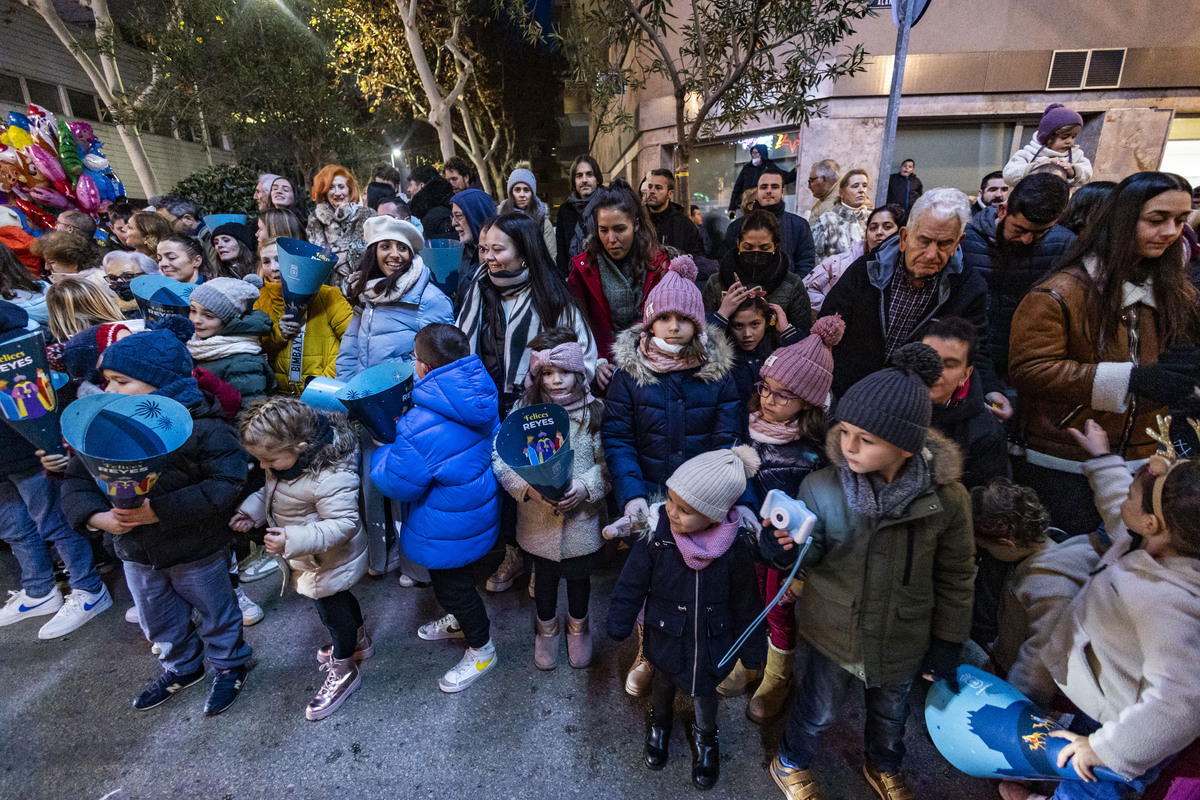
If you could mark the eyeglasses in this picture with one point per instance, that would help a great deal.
(458, 216)
(814, 179)
(125, 277)
(766, 392)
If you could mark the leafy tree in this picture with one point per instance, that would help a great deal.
(223, 189)
(728, 62)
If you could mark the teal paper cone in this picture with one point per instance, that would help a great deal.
(443, 257)
(535, 442)
(321, 394)
(159, 296)
(378, 397)
(214, 221)
(303, 269)
(28, 396)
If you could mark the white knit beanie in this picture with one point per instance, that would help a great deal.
(712, 482)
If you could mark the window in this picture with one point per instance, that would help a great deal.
(1102, 69)
(44, 95)
(83, 105)
(10, 90)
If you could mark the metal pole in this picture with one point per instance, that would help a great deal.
(893, 110)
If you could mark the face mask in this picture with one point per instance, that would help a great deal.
(756, 262)
(122, 290)
(755, 160)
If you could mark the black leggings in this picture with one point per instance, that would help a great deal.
(662, 700)
(577, 572)
(342, 616)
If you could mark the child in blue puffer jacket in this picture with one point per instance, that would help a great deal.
(441, 464)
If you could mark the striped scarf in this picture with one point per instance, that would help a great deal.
(500, 335)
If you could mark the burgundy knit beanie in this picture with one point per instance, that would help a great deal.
(806, 368)
(676, 293)
(1057, 116)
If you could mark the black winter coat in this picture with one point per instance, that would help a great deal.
(1010, 273)
(978, 434)
(692, 616)
(569, 215)
(795, 239)
(904, 190)
(431, 205)
(783, 466)
(194, 497)
(859, 297)
(675, 229)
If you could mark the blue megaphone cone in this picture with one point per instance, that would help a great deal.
(443, 257)
(379, 396)
(28, 392)
(125, 441)
(214, 221)
(321, 394)
(303, 269)
(535, 442)
(159, 296)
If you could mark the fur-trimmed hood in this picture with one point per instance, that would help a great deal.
(718, 363)
(942, 454)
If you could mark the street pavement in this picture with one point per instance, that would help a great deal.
(70, 731)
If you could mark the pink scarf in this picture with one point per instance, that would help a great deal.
(702, 548)
(660, 359)
(574, 400)
(772, 432)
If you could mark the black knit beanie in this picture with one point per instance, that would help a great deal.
(894, 403)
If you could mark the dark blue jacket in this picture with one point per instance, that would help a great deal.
(692, 616)
(653, 422)
(795, 239)
(978, 434)
(783, 466)
(1009, 272)
(441, 464)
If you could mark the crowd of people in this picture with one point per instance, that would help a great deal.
(970, 394)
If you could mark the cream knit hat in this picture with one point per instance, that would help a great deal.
(712, 482)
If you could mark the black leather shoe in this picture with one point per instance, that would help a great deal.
(706, 758)
(657, 740)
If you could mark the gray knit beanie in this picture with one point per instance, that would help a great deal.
(712, 482)
(894, 403)
(228, 298)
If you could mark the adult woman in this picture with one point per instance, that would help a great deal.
(235, 248)
(620, 265)
(881, 223)
(337, 222)
(1085, 205)
(522, 196)
(182, 258)
(18, 286)
(757, 267)
(75, 305)
(835, 231)
(69, 255)
(284, 197)
(120, 268)
(1109, 336)
(145, 230)
(262, 190)
(469, 209)
(276, 222)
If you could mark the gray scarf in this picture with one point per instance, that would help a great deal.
(869, 496)
(623, 292)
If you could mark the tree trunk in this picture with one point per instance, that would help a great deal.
(439, 118)
(137, 156)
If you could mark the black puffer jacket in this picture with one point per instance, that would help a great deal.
(431, 205)
(783, 466)
(1010, 272)
(194, 498)
(675, 229)
(692, 616)
(978, 434)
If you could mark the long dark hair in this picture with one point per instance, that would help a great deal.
(369, 270)
(619, 196)
(552, 301)
(194, 248)
(1085, 205)
(245, 262)
(1112, 239)
(14, 276)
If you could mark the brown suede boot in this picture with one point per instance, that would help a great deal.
(579, 642)
(767, 702)
(738, 682)
(637, 682)
(545, 644)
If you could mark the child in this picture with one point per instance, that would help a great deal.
(888, 586)
(311, 503)
(326, 321)
(755, 329)
(228, 340)
(441, 465)
(693, 572)
(1124, 649)
(176, 545)
(787, 429)
(672, 397)
(32, 520)
(1053, 143)
(564, 537)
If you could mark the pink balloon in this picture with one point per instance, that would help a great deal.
(87, 195)
(49, 197)
(47, 164)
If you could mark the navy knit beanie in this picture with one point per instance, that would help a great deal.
(240, 232)
(893, 404)
(158, 357)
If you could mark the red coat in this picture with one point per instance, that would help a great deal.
(584, 283)
(229, 397)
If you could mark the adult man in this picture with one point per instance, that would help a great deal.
(570, 227)
(76, 222)
(395, 207)
(822, 182)
(460, 174)
(794, 233)
(429, 200)
(385, 183)
(992, 191)
(748, 177)
(697, 218)
(182, 213)
(672, 225)
(1012, 245)
(904, 187)
(890, 296)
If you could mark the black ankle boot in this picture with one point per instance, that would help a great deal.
(706, 758)
(657, 740)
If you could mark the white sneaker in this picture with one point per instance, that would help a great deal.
(511, 567)
(445, 628)
(78, 608)
(133, 616)
(21, 606)
(256, 566)
(252, 612)
(473, 664)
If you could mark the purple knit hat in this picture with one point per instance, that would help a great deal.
(806, 368)
(1057, 116)
(676, 293)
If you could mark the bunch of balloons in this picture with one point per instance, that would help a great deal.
(47, 164)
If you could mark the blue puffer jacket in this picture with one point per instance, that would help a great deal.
(441, 464)
(384, 328)
(653, 421)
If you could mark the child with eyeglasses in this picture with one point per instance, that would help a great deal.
(787, 430)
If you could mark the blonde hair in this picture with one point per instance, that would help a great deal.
(270, 241)
(287, 424)
(153, 229)
(75, 305)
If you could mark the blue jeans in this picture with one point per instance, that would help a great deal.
(165, 599)
(30, 521)
(822, 688)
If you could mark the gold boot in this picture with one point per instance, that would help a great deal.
(738, 682)
(767, 702)
(637, 682)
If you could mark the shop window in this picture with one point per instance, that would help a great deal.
(83, 105)
(45, 95)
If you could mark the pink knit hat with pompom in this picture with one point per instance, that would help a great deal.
(676, 293)
(806, 368)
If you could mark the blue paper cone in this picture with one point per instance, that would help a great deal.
(535, 442)
(990, 730)
(28, 397)
(159, 296)
(443, 257)
(125, 441)
(303, 269)
(321, 394)
(214, 221)
(379, 396)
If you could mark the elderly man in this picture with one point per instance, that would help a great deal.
(822, 182)
(890, 296)
(795, 235)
